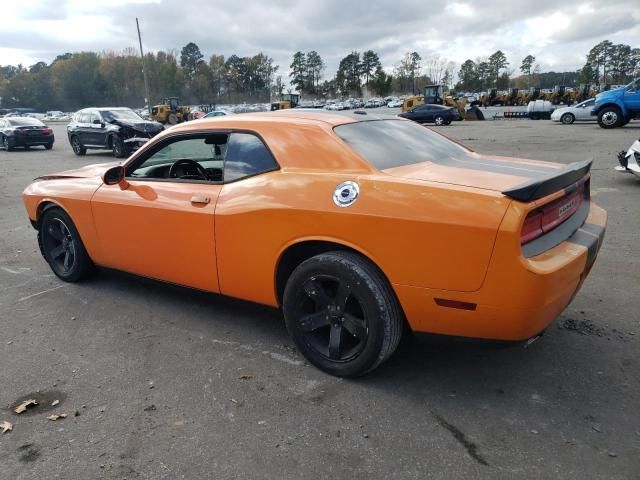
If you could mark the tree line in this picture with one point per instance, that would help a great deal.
(606, 64)
(76, 80)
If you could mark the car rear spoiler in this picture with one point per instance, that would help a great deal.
(543, 186)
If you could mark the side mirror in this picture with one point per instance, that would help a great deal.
(115, 176)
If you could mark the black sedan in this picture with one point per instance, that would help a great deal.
(438, 114)
(120, 130)
(24, 132)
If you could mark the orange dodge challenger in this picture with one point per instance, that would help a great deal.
(357, 226)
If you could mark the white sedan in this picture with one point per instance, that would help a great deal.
(580, 112)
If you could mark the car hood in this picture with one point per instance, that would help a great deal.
(609, 95)
(141, 125)
(479, 171)
(89, 171)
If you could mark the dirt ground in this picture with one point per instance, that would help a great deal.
(161, 382)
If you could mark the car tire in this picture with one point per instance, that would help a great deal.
(447, 122)
(172, 119)
(62, 246)
(568, 118)
(49, 146)
(118, 147)
(625, 121)
(6, 144)
(439, 120)
(342, 314)
(610, 117)
(77, 147)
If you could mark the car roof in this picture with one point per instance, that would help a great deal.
(102, 109)
(291, 116)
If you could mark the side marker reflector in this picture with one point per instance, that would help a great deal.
(443, 302)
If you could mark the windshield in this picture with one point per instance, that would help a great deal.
(110, 115)
(394, 143)
(588, 103)
(633, 86)
(25, 121)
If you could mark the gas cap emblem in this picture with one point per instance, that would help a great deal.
(346, 194)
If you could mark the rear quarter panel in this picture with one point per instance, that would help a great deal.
(420, 234)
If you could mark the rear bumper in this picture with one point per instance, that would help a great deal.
(21, 141)
(520, 296)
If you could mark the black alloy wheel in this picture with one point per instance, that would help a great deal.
(342, 314)
(77, 146)
(62, 247)
(6, 145)
(119, 149)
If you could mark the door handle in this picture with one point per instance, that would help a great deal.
(200, 200)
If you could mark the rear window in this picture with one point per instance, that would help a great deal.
(25, 122)
(394, 143)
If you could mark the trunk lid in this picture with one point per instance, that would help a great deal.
(501, 174)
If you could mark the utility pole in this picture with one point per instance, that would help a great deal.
(144, 72)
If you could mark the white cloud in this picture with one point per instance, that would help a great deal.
(460, 9)
(558, 34)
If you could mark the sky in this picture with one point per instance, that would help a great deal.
(558, 34)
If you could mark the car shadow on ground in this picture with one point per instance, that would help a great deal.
(443, 361)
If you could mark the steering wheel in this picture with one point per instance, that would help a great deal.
(173, 171)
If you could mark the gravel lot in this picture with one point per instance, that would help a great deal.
(163, 382)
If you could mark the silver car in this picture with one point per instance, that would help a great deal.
(580, 112)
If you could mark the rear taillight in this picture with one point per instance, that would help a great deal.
(47, 131)
(544, 219)
(532, 227)
(20, 132)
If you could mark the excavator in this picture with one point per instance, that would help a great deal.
(288, 100)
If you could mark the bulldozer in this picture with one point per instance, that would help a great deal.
(170, 111)
(288, 100)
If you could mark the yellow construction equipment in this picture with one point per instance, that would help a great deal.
(434, 95)
(560, 95)
(170, 111)
(584, 92)
(410, 102)
(288, 100)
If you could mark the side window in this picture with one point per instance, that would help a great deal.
(83, 118)
(246, 156)
(93, 116)
(194, 158)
